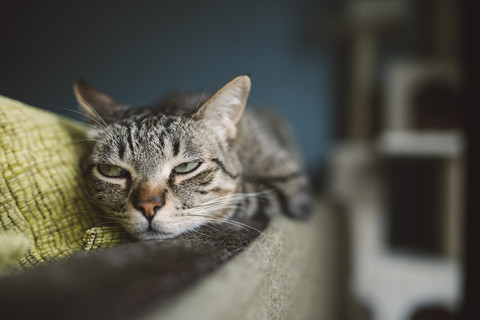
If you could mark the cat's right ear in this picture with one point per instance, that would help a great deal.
(225, 108)
(98, 107)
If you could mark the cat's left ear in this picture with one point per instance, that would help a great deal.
(225, 108)
(98, 106)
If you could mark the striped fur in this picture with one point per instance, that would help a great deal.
(248, 161)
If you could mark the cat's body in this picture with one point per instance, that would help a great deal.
(188, 161)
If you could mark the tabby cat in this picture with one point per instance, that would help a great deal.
(187, 162)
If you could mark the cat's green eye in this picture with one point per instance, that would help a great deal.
(186, 167)
(111, 171)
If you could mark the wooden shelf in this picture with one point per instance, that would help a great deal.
(421, 144)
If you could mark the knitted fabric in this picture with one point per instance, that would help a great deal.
(41, 189)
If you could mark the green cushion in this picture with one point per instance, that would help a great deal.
(44, 214)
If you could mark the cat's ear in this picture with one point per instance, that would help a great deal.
(98, 107)
(225, 108)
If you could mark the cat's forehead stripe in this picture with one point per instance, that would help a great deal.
(162, 136)
(130, 139)
(176, 147)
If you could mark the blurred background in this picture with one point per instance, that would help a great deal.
(137, 52)
(375, 90)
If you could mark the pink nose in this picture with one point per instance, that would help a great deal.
(149, 207)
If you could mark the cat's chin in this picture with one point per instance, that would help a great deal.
(154, 235)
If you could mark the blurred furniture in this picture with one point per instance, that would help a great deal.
(398, 168)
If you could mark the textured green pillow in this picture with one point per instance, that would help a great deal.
(44, 215)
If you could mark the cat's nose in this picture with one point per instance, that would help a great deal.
(149, 207)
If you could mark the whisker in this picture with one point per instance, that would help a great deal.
(92, 140)
(199, 104)
(212, 227)
(112, 218)
(103, 126)
(228, 221)
(196, 232)
(106, 224)
(234, 197)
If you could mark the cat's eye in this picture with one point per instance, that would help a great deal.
(186, 167)
(111, 171)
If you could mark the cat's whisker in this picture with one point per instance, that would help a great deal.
(233, 198)
(107, 224)
(228, 221)
(112, 218)
(85, 198)
(196, 232)
(219, 208)
(96, 113)
(103, 126)
(227, 202)
(96, 128)
(110, 221)
(105, 208)
(101, 223)
(212, 227)
(199, 104)
(91, 140)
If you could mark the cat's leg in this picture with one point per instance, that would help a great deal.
(289, 195)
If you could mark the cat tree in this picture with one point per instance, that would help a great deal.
(402, 185)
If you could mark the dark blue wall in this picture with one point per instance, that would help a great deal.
(137, 51)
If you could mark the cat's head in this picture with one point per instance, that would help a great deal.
(161, 175)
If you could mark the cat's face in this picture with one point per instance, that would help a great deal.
(161, 175)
